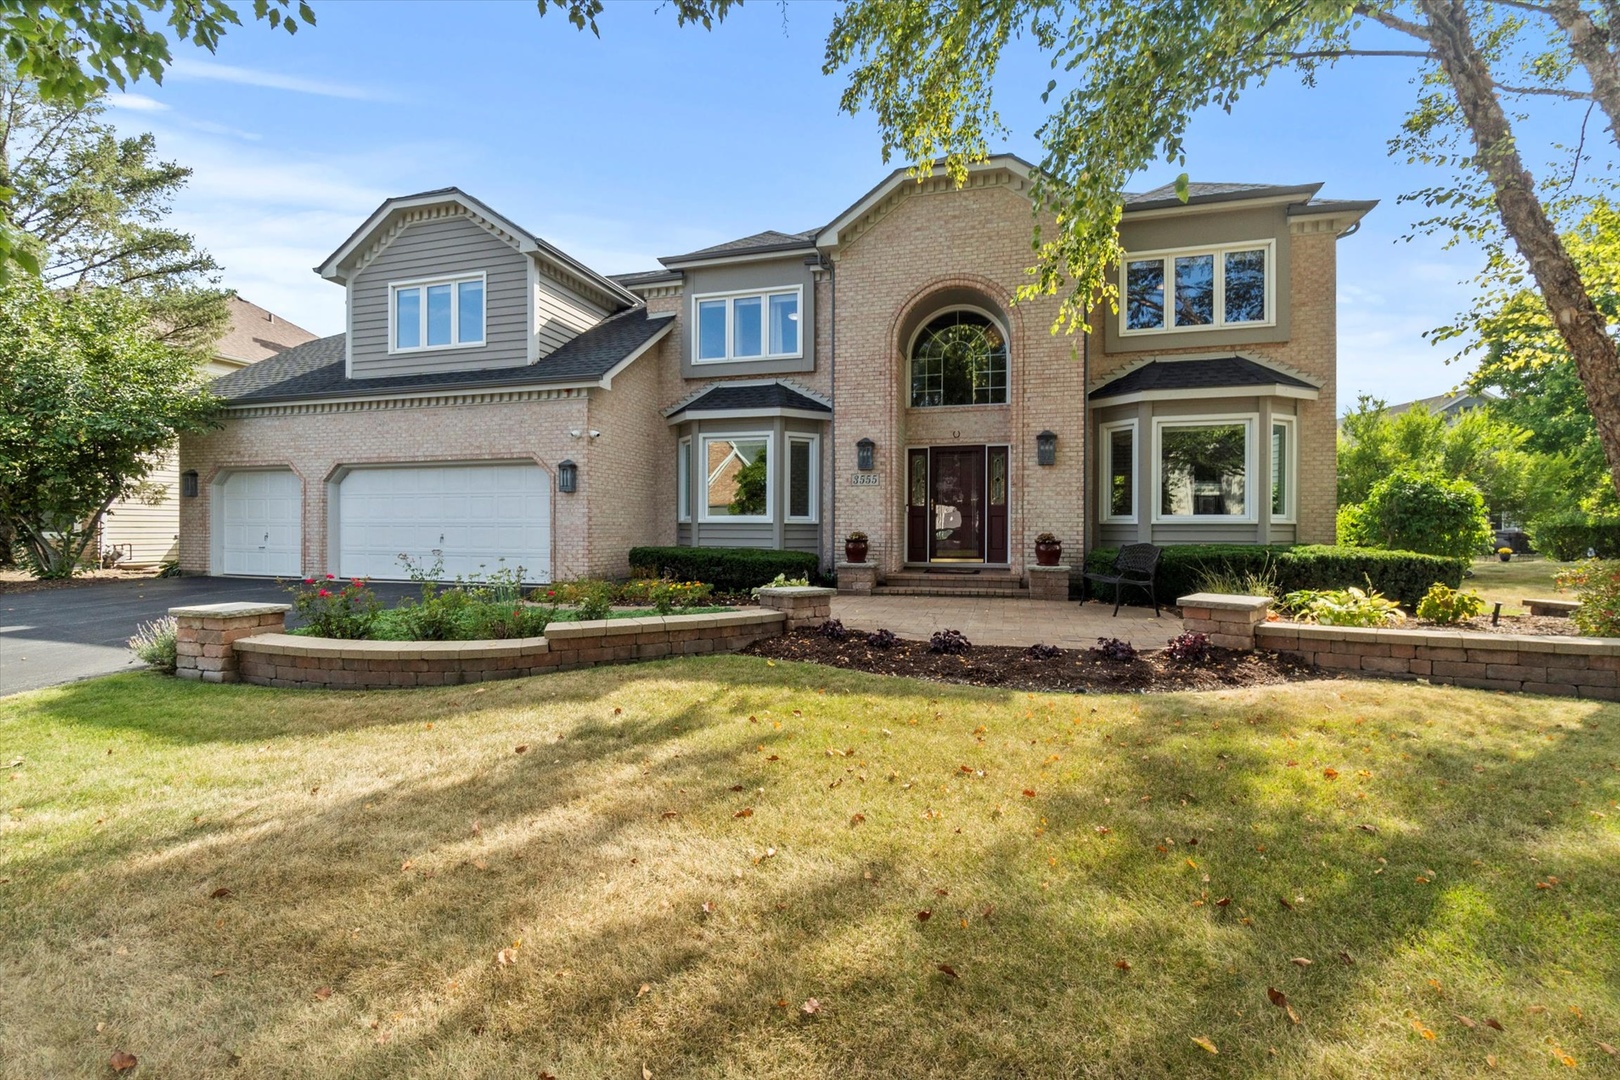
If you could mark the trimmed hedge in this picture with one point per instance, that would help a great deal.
(1567, 536)
(1401, 575)
(727, 569)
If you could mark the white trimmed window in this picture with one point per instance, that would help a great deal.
(439, 314)
(1283, 469)
(1198, 288)
(683, 482)
(761, 325)
(1203, 469)
(1118, 461)
(737, 483)
(803, 478)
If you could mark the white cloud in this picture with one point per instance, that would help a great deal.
(273, 80)
(136, 103)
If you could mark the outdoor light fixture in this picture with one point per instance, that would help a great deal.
(863, 455)
(567, 476)
(1046, 448)
(188, 483)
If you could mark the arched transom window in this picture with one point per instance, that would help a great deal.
(959, 358)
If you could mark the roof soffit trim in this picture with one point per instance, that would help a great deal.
(792, 384)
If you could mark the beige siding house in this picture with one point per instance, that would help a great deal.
(146, 531)
(496, 402)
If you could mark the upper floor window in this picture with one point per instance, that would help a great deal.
(959, 358)
(447, 314)
(1192, 289)
(747, 326)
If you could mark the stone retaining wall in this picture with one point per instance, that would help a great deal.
(205, 636)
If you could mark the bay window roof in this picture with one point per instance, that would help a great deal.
(1187, 377)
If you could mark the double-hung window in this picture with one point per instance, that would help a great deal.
(1119, 472)
(803, 478)
(1198, 289)
(1282, 469)
(737, 483)
(747, 326)
(1202, 469)
(443, 314)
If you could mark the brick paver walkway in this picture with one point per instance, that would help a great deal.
(997, 621)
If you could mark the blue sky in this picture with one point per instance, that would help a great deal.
(653, 141)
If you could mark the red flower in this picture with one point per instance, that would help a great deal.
(309, 581)
(323, 593)
(331, 577)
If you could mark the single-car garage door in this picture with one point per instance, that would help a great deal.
(475, 515)
(263, 534)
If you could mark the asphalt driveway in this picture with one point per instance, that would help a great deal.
(59, 635)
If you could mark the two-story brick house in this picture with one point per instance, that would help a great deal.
(494, 398)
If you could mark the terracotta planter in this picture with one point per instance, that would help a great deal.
(855, 550)
(1048, 552)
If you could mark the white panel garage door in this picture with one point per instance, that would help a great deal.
(263, 533)
(475, 514)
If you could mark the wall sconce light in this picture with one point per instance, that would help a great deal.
(864, 450)
(188, 483)
(1046, 448)
(567, 476)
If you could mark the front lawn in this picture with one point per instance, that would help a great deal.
(734, 867)
(1521, 578)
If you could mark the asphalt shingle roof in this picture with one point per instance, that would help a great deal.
(769, 240)
(752, 396)
(315, 369)
(1223, 372)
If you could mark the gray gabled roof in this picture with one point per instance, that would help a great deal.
(1220, 372)
(316, 370)
(759, 243)
(1165, 197)
(733, 397)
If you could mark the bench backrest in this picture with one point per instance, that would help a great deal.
(1137, 559)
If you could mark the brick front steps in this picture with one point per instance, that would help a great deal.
(244, 642)
(923, 583)
(1566, 666)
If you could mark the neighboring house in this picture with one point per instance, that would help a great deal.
(1451, 406)
(494, 398)
(146, 532)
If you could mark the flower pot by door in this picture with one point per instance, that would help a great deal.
(855, 550)
(1048, 552)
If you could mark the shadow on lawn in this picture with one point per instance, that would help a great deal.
(576, 846)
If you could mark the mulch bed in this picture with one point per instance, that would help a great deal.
(1532, 625)
(20, 581)
(1071, 670)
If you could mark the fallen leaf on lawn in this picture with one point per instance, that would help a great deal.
(989, 910)
(1280, 999)
(1607, 1049)
(14, 764)
(708, 908)
(1330, 774)
(617, 710)
(1029, 793)
(646, 1073)
(406, 865)
(122, 1062)
(1205, 1043)
(646, 988)
(1285, 903)
(1301, 961)
(671, 814)
(1123, 965)
(747, 811)
(1368, 828)
(924, 915)
(948, 971)
(323, 993)
(1490, 1059)
(811, 1007)
(218, 972)
(1563, 1057)
(1223, 901)
(1466, 1022)
(1493, 1023)
(219, 893)
(1347, 959)
(1417, 1026)
(506, 957)
(856, 819)
(523, 749)
(1103, 830)
(1533, 1009)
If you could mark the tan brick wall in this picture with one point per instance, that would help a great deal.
(629, 490)
(315, 444)
(976, 238)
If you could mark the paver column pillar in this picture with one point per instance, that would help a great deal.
(859, 578)
(803, 605)
(1049, 582)
(1228, 620)
(205, 636)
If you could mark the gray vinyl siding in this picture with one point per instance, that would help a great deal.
(798, 537)
(683, 534)
(729, 534)
(561, 314)
(441, 247)
(740, 277)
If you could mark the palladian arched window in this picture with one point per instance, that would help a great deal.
(959, 358)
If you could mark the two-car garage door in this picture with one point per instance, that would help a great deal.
(476, 515)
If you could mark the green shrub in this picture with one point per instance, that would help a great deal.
(336, 610)
(592, 597)
(492, 621)
(1409, 512)
(1447, 606)
(1404, 575)
(1596, 584)
(729, 570)
(782, 581)
(154, 643)
(1342, 607)
(1571, 534)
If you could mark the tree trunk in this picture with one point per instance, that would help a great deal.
(1578, 320)
(1590, 45)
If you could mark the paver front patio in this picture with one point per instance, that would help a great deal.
(1007, 621)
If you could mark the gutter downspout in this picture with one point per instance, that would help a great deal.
(832, 381)
(1085, 456)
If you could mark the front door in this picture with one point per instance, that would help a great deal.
(956, 504)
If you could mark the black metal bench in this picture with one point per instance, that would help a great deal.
(1135, 566)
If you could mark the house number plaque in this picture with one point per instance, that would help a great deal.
(863, 480)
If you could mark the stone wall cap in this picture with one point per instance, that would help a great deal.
(797, 590)
(228, 611)
(841, 565)
(1224, 602)
(1060, 569)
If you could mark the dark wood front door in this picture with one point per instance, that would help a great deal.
(956, 504)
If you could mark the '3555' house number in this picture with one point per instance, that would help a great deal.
(863, 479)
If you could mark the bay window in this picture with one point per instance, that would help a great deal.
(737, 482)
(1282, 469)
(683, 482)
(803, 468)
(1119, 471)
(747, 326)
(1227, 286)
(1202, 469)
(447, 314)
